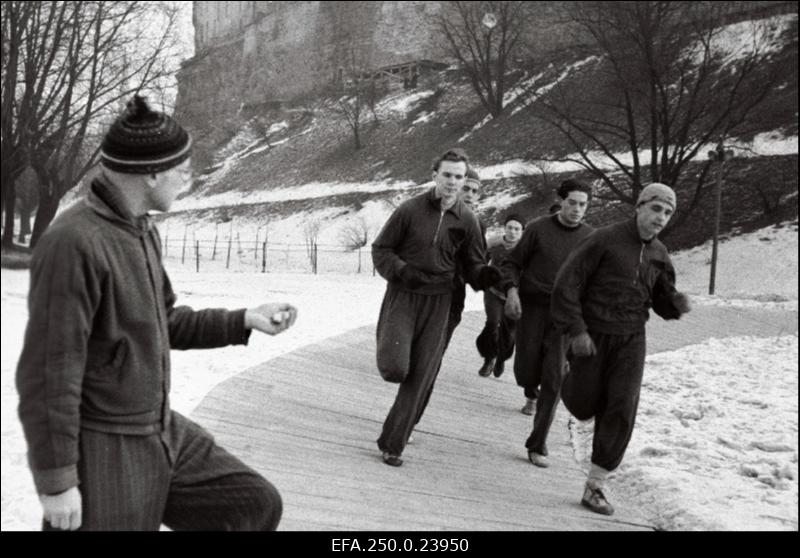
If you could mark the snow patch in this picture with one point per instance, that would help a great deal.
(402, 104)
(715, 443)
(740, 280)
(523, 88)
(764, 144)
(424, 117)
(743, 39)
(307, 191)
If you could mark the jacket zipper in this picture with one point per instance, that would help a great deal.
(151, 268)
(639, 267)
(439, 226)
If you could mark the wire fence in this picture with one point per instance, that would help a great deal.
(235, 254)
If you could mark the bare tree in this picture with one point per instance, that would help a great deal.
(311, 232)
(27, 199)
(356, 91)
(15, 18)
(355, 234)
(69, 66)
(775, 187)
(661, 90)
(485, 37)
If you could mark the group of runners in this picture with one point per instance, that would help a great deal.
(107, 452)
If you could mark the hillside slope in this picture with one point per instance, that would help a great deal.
(270, 164)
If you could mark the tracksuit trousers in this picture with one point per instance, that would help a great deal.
(411, 334)
(497, 338)
(606, 386)
(180, 478)
(532, 342)
(453, 319)
(552, 369)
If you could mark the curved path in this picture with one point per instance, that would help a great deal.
(309, 420)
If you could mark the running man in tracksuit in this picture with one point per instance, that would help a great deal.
(417, 253)
(600, 301)
(495, 342)
(529, 272)
(469, 195)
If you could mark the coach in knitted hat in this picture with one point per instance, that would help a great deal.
(145, 159)
(105, 450)
(143, 141)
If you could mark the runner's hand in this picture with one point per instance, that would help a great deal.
(513, 308)
(412, 278)
(582, 345)
(682, 303)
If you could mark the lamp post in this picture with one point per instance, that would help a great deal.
(489, 22)
(720, 155)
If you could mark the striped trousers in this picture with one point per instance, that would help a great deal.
(183, 480)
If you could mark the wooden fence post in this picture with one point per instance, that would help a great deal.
(264, 258)
(214, 251)
(316, 248)
(256, 244)
(183, 248)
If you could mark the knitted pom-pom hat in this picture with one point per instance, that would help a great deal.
(143, 141)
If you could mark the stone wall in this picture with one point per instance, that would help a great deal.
(282, 51)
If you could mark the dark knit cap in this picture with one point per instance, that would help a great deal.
(143, 141)
(472, 176)
(514, 217)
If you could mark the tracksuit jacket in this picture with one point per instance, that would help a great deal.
(102, 321)
(418, 233)
(611, 280)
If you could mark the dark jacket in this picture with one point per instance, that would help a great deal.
(610, 281)
(533, 263)
(432, 241)
(102, 319)
(497, 249)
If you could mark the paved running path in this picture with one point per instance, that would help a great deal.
(309, 420)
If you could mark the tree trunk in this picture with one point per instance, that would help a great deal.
(24, 223)
(8, 226)
(11, 170)
(48, 204)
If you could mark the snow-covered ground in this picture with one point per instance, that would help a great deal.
(746, 38)
(716, 439)
(772, 249)
(715, 442)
